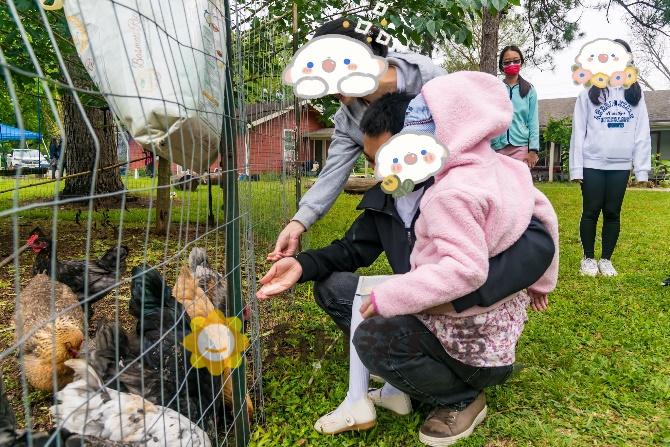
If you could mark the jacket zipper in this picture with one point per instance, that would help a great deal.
(510, 98)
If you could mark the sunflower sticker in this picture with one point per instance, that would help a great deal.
(216, 342)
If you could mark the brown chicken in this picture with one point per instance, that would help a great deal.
(198, 304)
(52, 341)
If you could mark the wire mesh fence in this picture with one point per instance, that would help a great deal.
(169, 157)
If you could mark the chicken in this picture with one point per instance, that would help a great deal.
(101, 275)
(191, 296)
(152, 362)
(87, 406)
(197, 304)
(48, 342)
(212, 282)
(10, 437)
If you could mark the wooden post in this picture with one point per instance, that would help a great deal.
(551, 161)
(163, 196)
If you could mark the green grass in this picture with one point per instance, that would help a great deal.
(597, 370)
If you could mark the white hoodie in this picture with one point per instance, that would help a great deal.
(612, 136)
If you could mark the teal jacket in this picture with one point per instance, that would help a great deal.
(525, 127)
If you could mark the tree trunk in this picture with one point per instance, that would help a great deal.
(488, 57)
(80, 150)
(163, 197)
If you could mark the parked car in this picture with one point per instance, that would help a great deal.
(28, 158)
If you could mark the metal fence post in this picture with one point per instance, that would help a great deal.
(228, 151)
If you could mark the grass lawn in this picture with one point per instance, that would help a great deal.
(597, 369)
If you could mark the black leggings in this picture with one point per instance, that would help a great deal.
(602, 191)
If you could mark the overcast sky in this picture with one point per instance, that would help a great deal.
(558, 84)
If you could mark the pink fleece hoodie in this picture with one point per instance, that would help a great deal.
(480, 204)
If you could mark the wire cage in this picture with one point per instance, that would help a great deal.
(169, 157)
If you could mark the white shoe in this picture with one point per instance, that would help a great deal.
(360, 415)
(589, 267)
(399, 403)
(606, 268)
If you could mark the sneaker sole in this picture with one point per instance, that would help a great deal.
(590, 275)
(357, 427)
(441, 442)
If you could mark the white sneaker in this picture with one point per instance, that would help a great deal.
(360, 415)
(589, 267)
(606, 268)
(399, 403)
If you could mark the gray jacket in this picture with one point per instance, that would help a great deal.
(347, 142)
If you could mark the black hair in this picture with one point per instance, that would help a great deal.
(346, 26)
(387, 114)
(632, 94)
(524, 86)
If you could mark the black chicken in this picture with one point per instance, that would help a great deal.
(153, 362)
(101, 276)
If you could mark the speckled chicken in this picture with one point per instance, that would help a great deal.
(86, 406)
(49, 341)
(212, 282)
(198, 304)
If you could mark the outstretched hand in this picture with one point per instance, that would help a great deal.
(283, 275)
(287, 241)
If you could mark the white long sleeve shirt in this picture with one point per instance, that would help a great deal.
(611, 136)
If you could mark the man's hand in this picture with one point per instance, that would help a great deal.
(282, 276)
(538, 301)
(287, 242)
(367, 309)
(532, 159)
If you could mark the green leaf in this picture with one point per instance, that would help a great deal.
(430, 26)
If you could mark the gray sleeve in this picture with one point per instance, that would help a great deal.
(342, 155)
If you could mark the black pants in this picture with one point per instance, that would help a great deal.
(404, 352)
(602, 191)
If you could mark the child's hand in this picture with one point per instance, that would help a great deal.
(368, 308)
(538, 301)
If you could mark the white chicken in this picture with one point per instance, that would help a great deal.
(86, 406)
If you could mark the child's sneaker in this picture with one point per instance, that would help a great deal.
(666, 283)
(357, 416)
(606, 268)
(589, 267)
(398, 402)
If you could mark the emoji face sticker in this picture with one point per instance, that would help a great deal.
(334, 64)
(602, 63)
(407, 159)
(216, 342)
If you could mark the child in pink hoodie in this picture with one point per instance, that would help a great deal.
(479, 205)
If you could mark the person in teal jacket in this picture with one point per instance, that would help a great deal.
(522, 139)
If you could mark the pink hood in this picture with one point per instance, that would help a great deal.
(468, 108)
(480, 204)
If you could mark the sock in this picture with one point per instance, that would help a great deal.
(389, 390)
(359, 375)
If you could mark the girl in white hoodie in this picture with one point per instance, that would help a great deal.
(610, 135)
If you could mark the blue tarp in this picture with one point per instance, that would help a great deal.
(9, 133)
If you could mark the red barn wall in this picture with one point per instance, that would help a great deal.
(266, 145)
